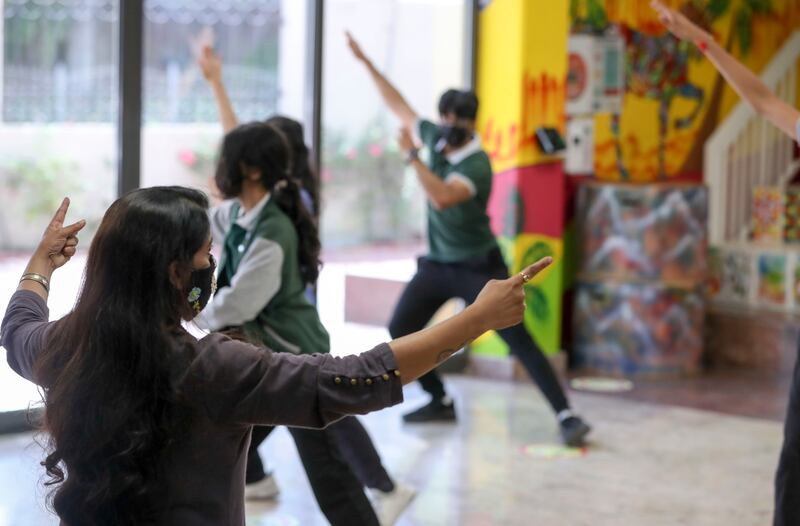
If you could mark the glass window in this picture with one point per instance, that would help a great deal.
(262, 44)
(368, 195)
(58, 75)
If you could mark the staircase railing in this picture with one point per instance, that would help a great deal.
(745, 152)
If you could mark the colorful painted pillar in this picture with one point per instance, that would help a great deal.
(522, 65)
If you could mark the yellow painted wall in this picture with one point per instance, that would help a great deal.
(521, 71)
(639, 120)
(522, 67)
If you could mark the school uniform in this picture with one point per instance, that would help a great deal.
(262, 293)
(462, 257)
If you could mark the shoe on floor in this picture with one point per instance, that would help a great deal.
(265, 489)
(435, 411)
(389, 505)
(574, 431)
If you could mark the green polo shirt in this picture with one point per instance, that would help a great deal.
(460, 232)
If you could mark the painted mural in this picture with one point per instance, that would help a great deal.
(675, 98)
(522, 65)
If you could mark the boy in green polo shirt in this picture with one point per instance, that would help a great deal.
(463, 253)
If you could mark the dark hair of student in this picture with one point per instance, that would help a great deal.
(264, 147)
(463, 104)
(301, 165)
(111, 408)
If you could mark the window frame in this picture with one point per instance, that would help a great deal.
(129, 120)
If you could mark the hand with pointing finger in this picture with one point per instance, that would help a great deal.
(678, 24)
(355, 48)
(210, 64)
(501, 303)
(59, 242)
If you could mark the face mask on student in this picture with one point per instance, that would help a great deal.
(202, 286)
(454, 136)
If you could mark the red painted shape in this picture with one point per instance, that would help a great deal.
(544, 190)
(502, 186)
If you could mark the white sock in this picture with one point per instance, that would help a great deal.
(565, 414)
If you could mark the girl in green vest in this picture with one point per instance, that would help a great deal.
(270, 253)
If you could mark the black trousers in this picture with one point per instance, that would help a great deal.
(435, 283)
(358, 450)
(787, 479)
(338, 491)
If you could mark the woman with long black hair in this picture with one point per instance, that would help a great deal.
(148, 425)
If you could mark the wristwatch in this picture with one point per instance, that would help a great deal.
(412, 155)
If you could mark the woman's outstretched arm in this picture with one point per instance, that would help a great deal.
(245, 384)
(501, 304)
(744, 81)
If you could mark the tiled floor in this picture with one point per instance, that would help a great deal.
(728, 391)
(648, 465)
(667, 453)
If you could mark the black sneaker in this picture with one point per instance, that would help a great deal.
(574, 431)
(435, 411)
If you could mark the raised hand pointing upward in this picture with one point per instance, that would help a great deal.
(59, 242)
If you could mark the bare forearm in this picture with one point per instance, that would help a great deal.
(435, 189)
(418, 353)
(392, 97)
(744, 81)
(226, 114)
(753, 90)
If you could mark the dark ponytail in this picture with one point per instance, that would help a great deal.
(264, 147)
(287, 196)
(301, 165)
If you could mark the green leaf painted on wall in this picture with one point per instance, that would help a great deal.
(717, 8)
(536, 300)
(744, 29)
(762, 7)
(537, 251)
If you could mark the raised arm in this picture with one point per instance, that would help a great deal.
(442, 193)
(211, 66)
(744, 81)
(393, 99)
(25, 321)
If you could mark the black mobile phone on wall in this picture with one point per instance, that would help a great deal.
(549, 140)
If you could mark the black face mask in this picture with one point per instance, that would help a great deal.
(202, 286)
(455, 136)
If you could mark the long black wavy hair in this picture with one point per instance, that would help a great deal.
(262, 146)
(108, 371)
(301, 162)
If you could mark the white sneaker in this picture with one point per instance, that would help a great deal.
(390, 505)
(265, 489)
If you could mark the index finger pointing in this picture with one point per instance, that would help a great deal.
(61, 213)
(74, 228)
(532, 270)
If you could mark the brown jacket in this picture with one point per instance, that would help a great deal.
(231, 386)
